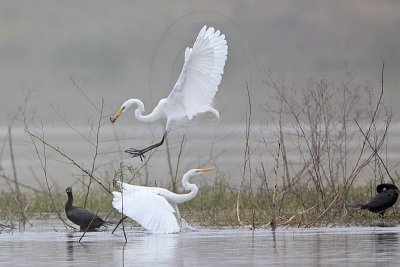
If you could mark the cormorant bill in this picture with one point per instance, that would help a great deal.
(386, 198)
(86, 219)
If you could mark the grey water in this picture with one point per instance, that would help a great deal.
(47, 243)
(205, 145)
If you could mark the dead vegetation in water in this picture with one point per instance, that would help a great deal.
(337, 132)
(215, 206)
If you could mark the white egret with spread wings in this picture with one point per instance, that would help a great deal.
(155, 208)
(194, 91)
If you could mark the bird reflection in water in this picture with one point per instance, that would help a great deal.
(72, 245)
(386, 245)
(153, 249)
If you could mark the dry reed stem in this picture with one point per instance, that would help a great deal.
(18, 194)
(274, 196)
(71, 160)
(43, 164)
(246, 160)
(96, 147)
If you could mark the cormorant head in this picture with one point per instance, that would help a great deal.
(68, 190)
(381, 187)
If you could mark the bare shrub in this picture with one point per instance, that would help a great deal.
(332, 133)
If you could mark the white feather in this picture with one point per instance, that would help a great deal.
(149, 209)
(194, 90)
(201, 74)
(155, 208)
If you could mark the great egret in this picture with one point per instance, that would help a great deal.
(86, 219)
(194, 91)
(386, 198)
(155, 208)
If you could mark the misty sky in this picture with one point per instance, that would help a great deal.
(123, 49)
(135, 49)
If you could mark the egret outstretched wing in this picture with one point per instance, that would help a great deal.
(201, 73)
(194, 91)
(149, 209)
(155, 208)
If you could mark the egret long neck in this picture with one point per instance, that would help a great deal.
(189, 186)
(180, 198)
(153, 116)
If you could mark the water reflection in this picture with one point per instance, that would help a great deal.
(151, 249)
(386, 244)
(70, 247)
(306, 247)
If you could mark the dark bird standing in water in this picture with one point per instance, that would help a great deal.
(386, 198)
(86, 219)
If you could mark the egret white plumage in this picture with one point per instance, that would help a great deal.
(194, 90)
(155, 208)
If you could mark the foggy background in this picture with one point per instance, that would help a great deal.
(135, 49)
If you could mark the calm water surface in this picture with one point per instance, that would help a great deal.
(51, 245)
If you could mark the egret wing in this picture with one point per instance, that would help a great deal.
(201, 73)
(149, 209)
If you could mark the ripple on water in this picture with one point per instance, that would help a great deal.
(49, 243)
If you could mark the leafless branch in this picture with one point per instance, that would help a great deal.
(75, 83)
(43, 164)
(96, 147)
(246, 160)
(71, 160)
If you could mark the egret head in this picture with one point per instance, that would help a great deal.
(118, 113)
(191, 173)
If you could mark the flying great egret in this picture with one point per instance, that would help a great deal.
(155, 208)
(194, 91)
(86, 219)
(386, 198)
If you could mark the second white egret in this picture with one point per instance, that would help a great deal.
(155, 208)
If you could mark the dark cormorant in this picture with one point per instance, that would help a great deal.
(86, 219)
(386, 198)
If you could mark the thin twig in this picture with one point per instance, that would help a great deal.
(274, 196)
(174, 185)
(88, 227)
(16, 184)
(246, 160)
(77, 86)
(20, 184)
(96, 148)
(43, 164)
(71, 160)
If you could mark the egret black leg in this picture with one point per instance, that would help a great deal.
(120, 221)
(140, 152)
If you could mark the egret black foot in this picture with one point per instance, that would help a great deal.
(136, 153)
(140, 152)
